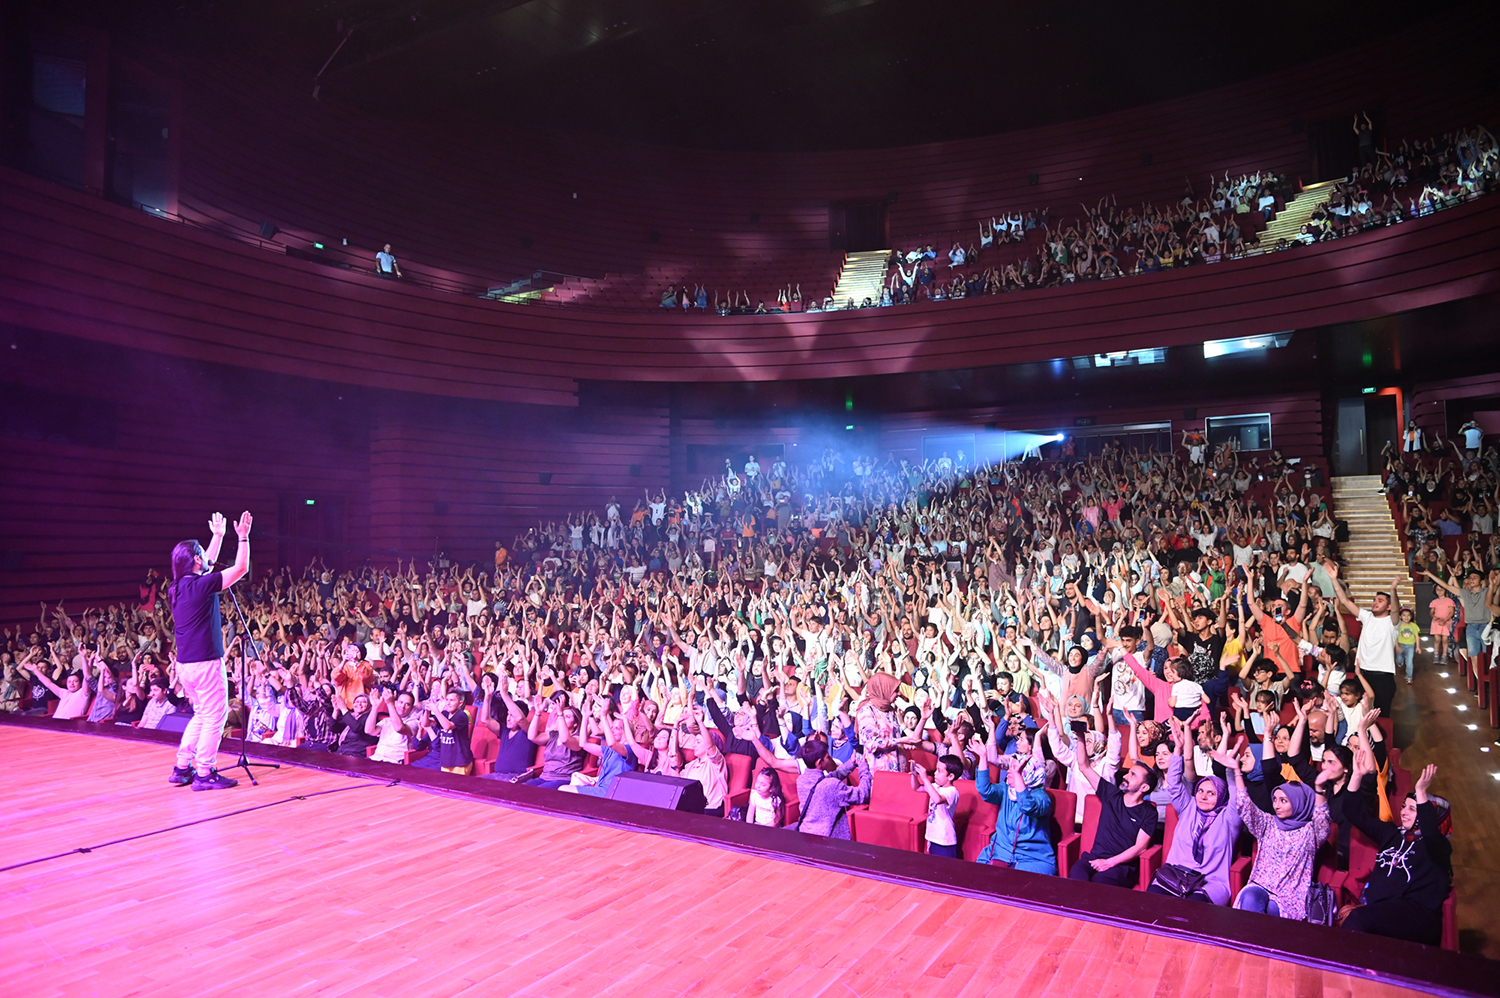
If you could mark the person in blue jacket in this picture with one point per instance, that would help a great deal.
(1021, 840)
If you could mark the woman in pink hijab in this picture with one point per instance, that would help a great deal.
(879, 727)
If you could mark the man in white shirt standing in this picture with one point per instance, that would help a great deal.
(1376, 654)
(1473, 437)
(386, 265)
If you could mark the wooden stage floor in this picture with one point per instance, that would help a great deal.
(380, 890)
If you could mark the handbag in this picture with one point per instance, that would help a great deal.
(1322, 904)
(1178, 881)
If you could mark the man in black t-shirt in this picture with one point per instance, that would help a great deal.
(199, 631)
(1203, 647)
(1126, 823)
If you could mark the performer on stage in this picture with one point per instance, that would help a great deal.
(194, 599)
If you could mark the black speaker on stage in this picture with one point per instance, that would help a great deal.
(671, 792)
(175, 721)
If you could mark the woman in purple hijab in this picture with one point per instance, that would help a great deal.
(1207, 828)
(1289, 838)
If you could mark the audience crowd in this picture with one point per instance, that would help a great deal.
(1222, 221)
(1150, 644)
(1444, 497)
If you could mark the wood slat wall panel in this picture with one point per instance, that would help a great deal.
(424, 341)
(83, 523)
(458, 201)
(415, 458)
(1426, 401)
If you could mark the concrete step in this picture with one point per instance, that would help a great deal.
(1372, 555)
(863, 277)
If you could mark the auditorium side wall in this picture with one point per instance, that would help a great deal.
(109, 456)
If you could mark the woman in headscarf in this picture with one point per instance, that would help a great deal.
(1021, 840)
(1289, 837)
(879, 728)
(1403, 898)
(1207, 828)
(1076, 673)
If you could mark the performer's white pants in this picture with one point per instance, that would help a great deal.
(207, 689)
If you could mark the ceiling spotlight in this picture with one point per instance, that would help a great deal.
(1462, 706)
(1443, 674)
(1452, 690)
(1472, 727)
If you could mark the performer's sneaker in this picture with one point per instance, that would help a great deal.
(214, 781)
(181, 777)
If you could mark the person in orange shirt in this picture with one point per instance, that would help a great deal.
(1281, 629)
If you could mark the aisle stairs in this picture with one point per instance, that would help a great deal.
(1372, 555)
(1295, 215)
(862, 277)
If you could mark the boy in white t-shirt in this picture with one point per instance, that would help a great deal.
(942, 796)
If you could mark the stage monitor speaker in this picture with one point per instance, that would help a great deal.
(268, 230)
(671, 792)
(175, 722)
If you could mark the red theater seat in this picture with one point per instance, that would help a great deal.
(739, 781)
(979, 829)
(895, 815)
(1065, 834)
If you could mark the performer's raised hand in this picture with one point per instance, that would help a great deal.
(242, 528)
(217, 524)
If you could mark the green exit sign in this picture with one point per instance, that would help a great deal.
(1368, 391)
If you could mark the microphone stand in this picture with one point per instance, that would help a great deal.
(243, 761)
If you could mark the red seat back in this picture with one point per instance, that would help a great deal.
(968, 799)
(739, 772)
(1064, 808)
(893, 793)
(484, 743)
(1362, 852)
(979, 829)
(1092, 808)
(927, 760)
(1169, 831)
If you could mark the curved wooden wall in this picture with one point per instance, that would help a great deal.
(459, 198)
(73, 264)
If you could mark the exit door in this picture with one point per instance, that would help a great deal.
(310, 529)
(1365, 425)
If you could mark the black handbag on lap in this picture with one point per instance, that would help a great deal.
(1178, 881)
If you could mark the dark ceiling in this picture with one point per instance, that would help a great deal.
(771, 74)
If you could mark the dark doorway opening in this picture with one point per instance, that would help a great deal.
(854, 226)
(1333, 145)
